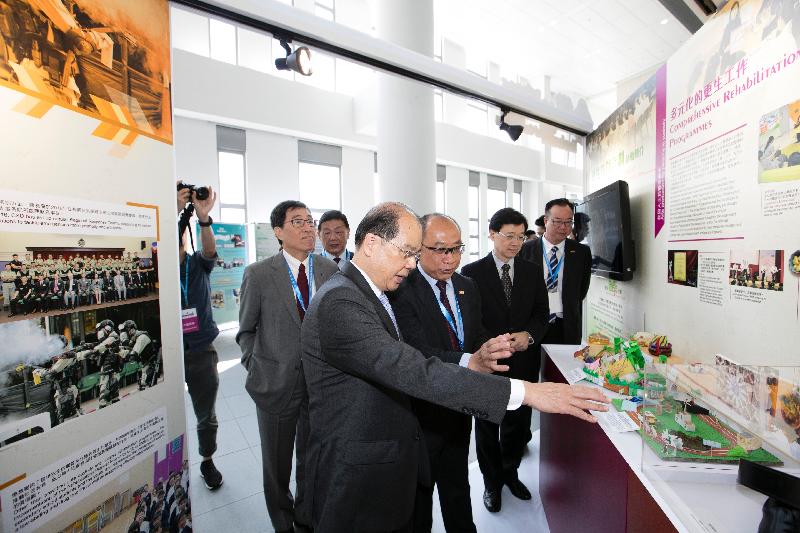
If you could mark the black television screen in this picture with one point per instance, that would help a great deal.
(603, 222)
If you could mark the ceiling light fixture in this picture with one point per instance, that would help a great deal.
(664, 21)
(513, 131)
(298, 61)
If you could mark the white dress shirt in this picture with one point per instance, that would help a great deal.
(554, 298)
(294, 266)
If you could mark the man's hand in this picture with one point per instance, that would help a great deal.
(203, 207)
(565, 399)
(184, 195)
(486, 358)
(519, 341)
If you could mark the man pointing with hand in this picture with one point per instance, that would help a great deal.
(366, 452)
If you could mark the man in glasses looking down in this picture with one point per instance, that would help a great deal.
(439, 313)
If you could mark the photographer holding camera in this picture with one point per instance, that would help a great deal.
(199, 329)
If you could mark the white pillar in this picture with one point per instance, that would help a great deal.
(406, 129)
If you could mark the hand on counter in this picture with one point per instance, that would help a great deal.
(565, 399)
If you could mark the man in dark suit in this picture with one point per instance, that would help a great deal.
(439, 313)
(365, 450)
(274, 299)
(566, 267)
(334, 231)
(513, 300)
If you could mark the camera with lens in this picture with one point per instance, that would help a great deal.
(201, 193)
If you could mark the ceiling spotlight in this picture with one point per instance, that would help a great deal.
(298, 61)
(664, 21)
(513, 131)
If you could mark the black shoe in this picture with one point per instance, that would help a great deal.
(519, 490)
(492, 501)
(210, 475)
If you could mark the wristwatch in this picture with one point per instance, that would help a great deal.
(205, 224)
(530, 339)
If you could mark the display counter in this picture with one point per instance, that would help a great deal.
(591, 479)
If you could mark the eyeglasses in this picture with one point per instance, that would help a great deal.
(407, 254)
(562, 223)
(300, 222)
(455, 250)
(511, 236)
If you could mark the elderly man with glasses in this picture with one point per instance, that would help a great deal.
(276, 293)
(439, 313)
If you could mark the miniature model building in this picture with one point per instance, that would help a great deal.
(678, 435)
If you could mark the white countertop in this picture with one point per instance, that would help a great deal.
(716, 507)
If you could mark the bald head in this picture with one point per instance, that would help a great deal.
(387, 241)
(441, 246)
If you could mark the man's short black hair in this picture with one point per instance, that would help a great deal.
(539, 222)
(382, 220)
(507, 215)
(333, 214)
(278, 216)
(529, 233)
(563, 202)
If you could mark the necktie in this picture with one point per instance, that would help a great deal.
(446, 303)
(552, 276)
(302, 284)
(507, 286)
(337, 259)
(386, 305)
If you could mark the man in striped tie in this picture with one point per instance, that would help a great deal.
(566, 267)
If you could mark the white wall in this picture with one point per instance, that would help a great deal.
(195, 145)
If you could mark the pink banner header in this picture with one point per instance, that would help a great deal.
(661, 148)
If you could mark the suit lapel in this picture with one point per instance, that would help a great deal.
(280, 275)
(496, 286)
(356, 277)
(464, 297)
(318, 277)
(430, 305)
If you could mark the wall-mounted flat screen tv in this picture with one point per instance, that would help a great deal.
(603, 222)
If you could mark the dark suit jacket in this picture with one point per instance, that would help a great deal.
(575, 281)
(424, 327)
(365, 449)
(269, 329)
(528, 312)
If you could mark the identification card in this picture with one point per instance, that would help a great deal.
(189, 320)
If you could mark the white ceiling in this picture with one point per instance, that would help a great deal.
(585, 46)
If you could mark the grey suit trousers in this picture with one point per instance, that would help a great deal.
(278, 433)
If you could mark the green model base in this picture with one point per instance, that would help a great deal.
(728, 453)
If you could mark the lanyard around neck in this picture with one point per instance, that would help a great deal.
(296, 288)
(185, 282)
(449, 318)
(553, 272)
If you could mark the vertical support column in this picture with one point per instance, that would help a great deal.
(406, 129)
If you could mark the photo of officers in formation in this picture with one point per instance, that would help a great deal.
(42, 285)
(121, 355)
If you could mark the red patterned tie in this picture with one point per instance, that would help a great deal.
(302, 284)
(446, 303)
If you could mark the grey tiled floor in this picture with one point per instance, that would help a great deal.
(238, 506)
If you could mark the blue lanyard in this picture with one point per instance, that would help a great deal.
(185, 282)
(296, 289)
(449, 318)
(553, 273)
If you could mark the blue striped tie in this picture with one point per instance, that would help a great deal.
(552, 277)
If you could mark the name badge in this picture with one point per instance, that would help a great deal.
(189, 320)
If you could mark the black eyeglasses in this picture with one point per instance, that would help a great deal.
(455, 250)
(300, 222)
